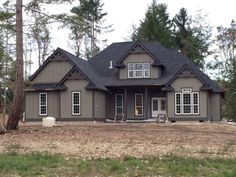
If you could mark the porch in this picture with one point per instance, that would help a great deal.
(136, 103)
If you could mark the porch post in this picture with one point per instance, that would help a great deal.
(125, 104)
(146, 102)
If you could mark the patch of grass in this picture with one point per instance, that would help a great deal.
(44, 164)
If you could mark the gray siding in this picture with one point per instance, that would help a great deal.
(100, 104)
(32, 105)
(139, 58)
(152, 92)
(54, 71)
(214, 106)
(86, 99)
(195, 84)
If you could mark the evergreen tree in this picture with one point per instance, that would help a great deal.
(89, 18)
(192, 37)
(156, 26)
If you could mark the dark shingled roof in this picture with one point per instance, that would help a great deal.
(85, 67)
(46, 87)
(100, 76)
(171, 59)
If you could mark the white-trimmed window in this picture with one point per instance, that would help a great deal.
(119, 104)
(139, 104)
(138, 70)
(195, 103)
(76, 103)
(43, 104)
(186, 102)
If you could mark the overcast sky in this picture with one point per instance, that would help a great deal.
(122, 14)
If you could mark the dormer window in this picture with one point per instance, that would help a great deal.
(138, 70)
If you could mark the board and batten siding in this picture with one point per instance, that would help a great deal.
(86, 99)
(53, 72)
(214, 106)
(100, 104)
(195, 84)
(32, 105)
(155, 72)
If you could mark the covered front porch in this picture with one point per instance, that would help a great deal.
(136, 103)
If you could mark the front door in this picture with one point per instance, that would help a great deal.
(158, 106)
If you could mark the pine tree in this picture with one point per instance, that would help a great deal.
(156, 26)
(192, 37)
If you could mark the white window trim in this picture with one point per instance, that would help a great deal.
(182, 103)
(142, 70)
(72, 99)
(195, 104)
(119, 106)
(178, 104)
(191, 103)
(40, 106)
(138, 106)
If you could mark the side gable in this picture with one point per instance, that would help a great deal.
(53, 69)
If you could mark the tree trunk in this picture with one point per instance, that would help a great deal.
(16, 108)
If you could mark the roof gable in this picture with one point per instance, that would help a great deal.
(57, 55)
(137, 48)
(187, 72)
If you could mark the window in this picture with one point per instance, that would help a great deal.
(186, 102)
(163, 104)
(119, 104)
(75, 103)
(196, 103)
(138, 70)
(138, 104)
(42, 104)
(177, 103)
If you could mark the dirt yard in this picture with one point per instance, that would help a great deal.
(95, 140)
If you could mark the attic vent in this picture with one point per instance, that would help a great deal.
(110, 67)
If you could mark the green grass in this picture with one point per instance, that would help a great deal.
(44, 164)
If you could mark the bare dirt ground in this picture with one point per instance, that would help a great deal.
(101, 140)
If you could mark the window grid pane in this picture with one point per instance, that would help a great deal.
(139, 104)
(138, 70)
(178, 103)
(195, 103)
(163, 105)
(187, 103)
(75, 103)
(43, 104)
(119, 103)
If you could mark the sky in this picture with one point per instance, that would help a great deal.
(122, 14)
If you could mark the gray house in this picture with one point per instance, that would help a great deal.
(127, 80)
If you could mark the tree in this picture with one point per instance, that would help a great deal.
(89, 16)
(77, 27)
(155, 26)
(16, 110)
(39, 29)
(192, 36)
(225, 64)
